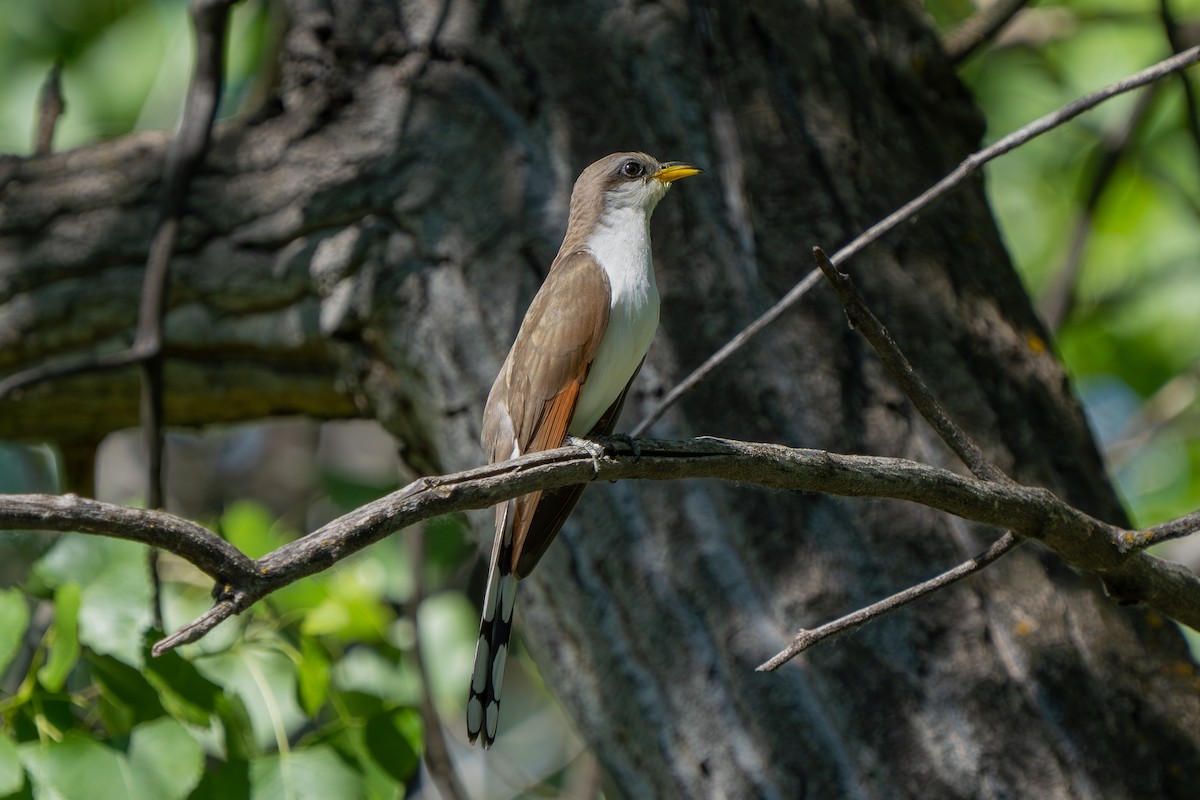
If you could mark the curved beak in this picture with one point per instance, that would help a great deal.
(674, 170)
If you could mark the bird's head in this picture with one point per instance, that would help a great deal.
(631, 180)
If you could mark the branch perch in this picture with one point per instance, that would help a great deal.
(1085, 542)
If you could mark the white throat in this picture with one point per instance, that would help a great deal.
(621, 246)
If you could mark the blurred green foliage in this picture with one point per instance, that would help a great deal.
(126, 64)
(1131, 335)
(314, 692)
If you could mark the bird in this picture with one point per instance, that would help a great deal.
(581, 344)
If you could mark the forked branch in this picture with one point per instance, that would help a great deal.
(1087, 543)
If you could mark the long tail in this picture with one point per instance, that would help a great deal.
(491, 651)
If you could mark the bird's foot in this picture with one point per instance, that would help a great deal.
(595, 450)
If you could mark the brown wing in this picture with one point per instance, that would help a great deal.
(534, 397)
(554, 506)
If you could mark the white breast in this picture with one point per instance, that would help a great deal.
(621, 246)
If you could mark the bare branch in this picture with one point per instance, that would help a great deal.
(865, 322)
(968, 167)
(901, 369)
(1175, 37)
(1085, 542)
(1164, 532)
(196, 630)
(807, 638)
(210, 553)
(979, 28)
(50, 109)
(184, 155)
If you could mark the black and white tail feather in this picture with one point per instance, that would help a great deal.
(495, 627)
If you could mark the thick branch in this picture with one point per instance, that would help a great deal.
(1087, 543)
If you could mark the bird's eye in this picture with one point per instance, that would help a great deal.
(632, 169)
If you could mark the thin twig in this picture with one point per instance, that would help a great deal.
(981, 27)
(183, 158)
(194, 631)
(807, 638)
(950, 182)
(50, 108)
(56, 371)
(897, 364)
(1175, 38)
(1164, 532)
(901, 369)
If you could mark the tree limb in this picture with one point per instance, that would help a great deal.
(1084, 541)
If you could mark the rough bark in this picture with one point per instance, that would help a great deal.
(370, 241)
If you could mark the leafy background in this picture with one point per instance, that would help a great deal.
(317, 691)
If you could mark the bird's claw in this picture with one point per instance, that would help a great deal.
(595, 450)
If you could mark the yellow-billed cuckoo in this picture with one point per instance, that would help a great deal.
(579, 348)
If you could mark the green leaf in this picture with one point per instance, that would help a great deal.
(127, 687)
(14, 619)
(352, 610)
(350, 745)
(315, 773)
(367, 671)
(389, 747)
(165, 759)
(63, 638)
(264, 678)
(188, 694)
(77, 768)
(229, 781)
(12, 774)
(238, 728)
(313, 675)
(115, 605)
(448, 545)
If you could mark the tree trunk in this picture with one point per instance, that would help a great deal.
(371, 240)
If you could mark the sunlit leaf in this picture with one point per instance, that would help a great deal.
(372, 673)
(12, 774)
(165, 758)
(115, 604)
(63, 639)
(265, 681)
(312, 774)
(352, 611)
(313, 675)
(77, 768)
(14, 619)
